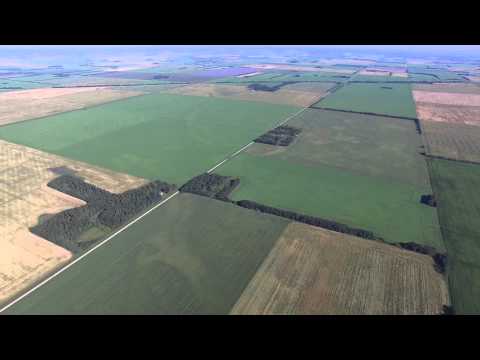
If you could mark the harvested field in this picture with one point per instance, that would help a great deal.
(461, 115)
(474, 78)
(463, 88)
(156, 136)
(384, 99)
(456, 187)
(24, 198)
(445, 98)
(193, 255)
(29, 104)
(316, 271)
(452, 140)
(240, 92)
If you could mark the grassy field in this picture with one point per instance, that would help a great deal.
(438, 74)
(314, 76)
(268, 76)
(385, 99)
(467, 88)
(191, 256)
(364, 144)
(315, 271)
(456, 188)
(454, 141)
(372, 203)
(171, 137)
(241, 92)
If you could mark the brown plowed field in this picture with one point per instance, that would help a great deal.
(316, 271)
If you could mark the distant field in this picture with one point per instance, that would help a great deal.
(314, 271)
(238, 92)
(171, 137)
(438, 74)
(13, 84)
(314, 76)
(372, 203)
(29, 104)
(192, 255)
(452, 140)
(385, 99)
(456, 188)
(269, 76)
(364, 144)
(466, 88)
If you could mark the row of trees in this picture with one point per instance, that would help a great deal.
(280, 136)
(211, 185)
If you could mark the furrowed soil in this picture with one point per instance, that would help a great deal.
(316, 271)
(193, 255)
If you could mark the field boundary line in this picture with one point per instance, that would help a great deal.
(86, 253)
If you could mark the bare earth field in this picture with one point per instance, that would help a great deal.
(446, 98)
(29, 104)
(282, 96)
(463, 88)
(469, 115)
(474, 78)
(24, 196)
(316, 271)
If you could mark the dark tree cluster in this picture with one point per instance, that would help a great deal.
(428, 200)
(448, 310)
(159, 77)
(417, 125)
(280, 136)
(439, 259)
(267, 87)
(211, 185)
(103, 209)
(310, 220)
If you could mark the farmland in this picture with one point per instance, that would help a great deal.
(316, 271)
(364, 144)
(456, 188)
(191, 256)
(24, 198)
(239, 92)
(370, 203)
(130, 136)
(29, 104)
(456, 141)
(384, 99)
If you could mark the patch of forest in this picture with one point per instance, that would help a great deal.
(428, 200)
(267, 87)
(211, 185)
(280, 136)
(307, 219)
(103, 210)
(439, 259)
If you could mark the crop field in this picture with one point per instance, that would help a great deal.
(384, 99)
(462, 88)
(456, 188)
(269, 76)
(24, 198)
(156, 136)
(13, 84)
(452, 140)
(291, 67)
(29, 104)
(316, 271)
(239, 92)
(193, 255)
(438, 74)
(371, 203)
(314, 76)
(363, 144)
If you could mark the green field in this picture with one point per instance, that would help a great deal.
(364, 144)
(192, 255)
(373, 98)
(165, 136)
(11, 83)
(438, 74)
(456, 187)
(269, 76)
(314, 76)
(391, 210)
